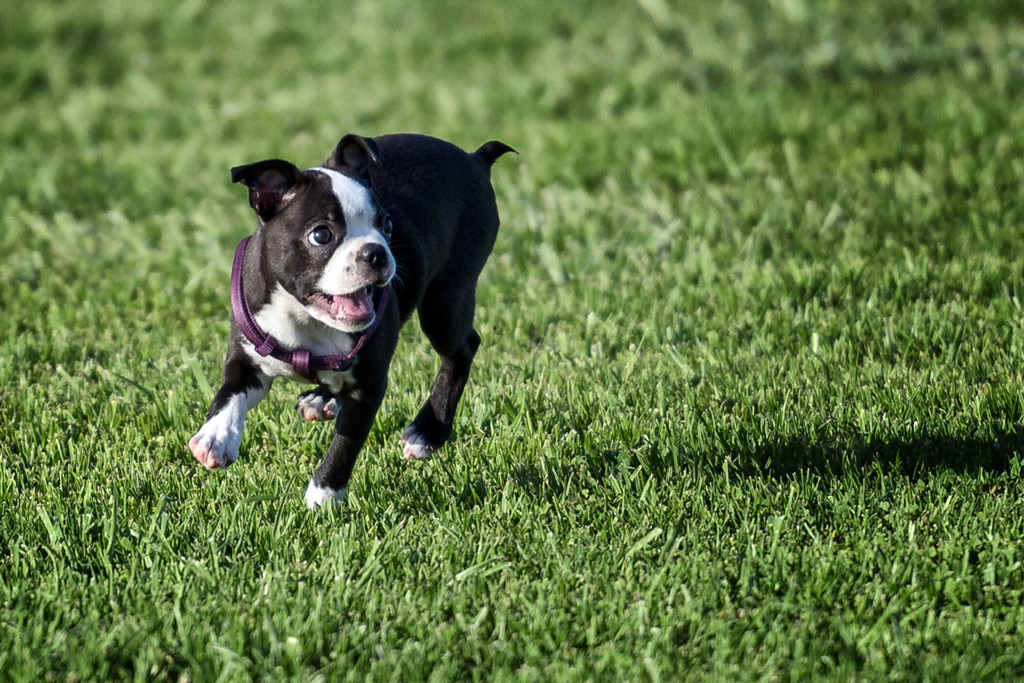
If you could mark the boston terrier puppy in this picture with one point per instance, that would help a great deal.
(342, 256)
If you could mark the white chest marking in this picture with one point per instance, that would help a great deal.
(288, 321)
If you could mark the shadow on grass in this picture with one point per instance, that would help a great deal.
(797, 456)
(912, 457)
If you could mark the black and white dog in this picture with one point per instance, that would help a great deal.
(342, 256)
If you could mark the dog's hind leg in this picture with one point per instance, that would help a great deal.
(447, 320)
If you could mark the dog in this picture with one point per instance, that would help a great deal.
(342, 255)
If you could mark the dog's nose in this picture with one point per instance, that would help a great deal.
(373, 255)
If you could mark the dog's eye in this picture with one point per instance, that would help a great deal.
(319, 236)
(385, 227)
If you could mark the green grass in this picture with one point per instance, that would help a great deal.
(749, 403)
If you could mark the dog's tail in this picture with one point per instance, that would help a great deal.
(489, 152)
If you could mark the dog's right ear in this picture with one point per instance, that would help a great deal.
(268, 182)
(353, 157)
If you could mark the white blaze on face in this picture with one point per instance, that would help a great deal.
(341, 274)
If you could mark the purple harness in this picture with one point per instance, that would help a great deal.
(304, 363)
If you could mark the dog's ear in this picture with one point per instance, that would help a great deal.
(353, 157)
(268, 182)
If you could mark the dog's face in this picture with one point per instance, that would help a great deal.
(325, 236)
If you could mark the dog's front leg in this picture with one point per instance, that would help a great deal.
(217, 441)
(356, 412)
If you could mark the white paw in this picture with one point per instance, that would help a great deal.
(415, 445)
(217, 441)
(213, 453)
(316, 407)
(317, 495)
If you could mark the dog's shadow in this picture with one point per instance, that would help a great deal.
(914, 457)
(781, 459)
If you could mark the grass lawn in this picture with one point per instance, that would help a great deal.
(749, 401)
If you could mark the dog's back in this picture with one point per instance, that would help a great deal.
(425, 184)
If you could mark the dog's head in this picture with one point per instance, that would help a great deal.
(325, 236)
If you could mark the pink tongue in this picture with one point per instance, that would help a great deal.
(357, 305)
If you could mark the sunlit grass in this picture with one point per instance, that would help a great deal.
(748, 405)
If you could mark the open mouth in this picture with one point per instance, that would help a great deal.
(354, 308)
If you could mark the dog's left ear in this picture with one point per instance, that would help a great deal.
(353, 157)
(268, 182)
